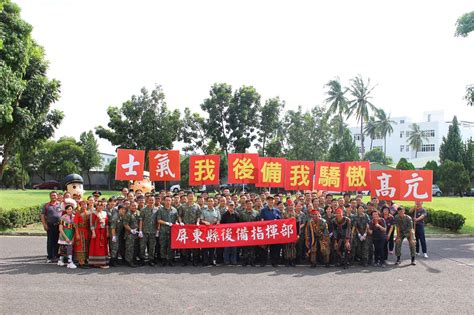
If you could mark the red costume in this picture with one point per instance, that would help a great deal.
(81, 242)
(99, 247)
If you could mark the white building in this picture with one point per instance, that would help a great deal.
(106, 159)
(433, 124)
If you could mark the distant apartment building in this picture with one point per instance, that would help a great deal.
(106, 159)
(434, 125)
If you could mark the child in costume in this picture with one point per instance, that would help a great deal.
(66, 238)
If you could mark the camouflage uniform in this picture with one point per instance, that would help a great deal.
(342, 233)
(148, 241)
(168, 215)
(189, 214)
(132, 244)
(360, 248)
(404, 225)
(118, 246)
(317, 239)
(248, 252)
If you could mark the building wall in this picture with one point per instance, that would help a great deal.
(433, 123)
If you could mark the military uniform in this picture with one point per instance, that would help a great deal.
(248, 252)
(289, 249)
(405, 225)
(148, 241)
(132, 244)
(189, 214)
(317, 240)
(342, 233)
(360, 247)
(117, 247)
(171, 216)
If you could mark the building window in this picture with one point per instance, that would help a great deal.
(402, 121)
(429, 133)
(407, 148)
(428, 148)
(401, 134)
(402, 148)
(357, 137)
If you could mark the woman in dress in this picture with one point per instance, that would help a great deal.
(99, 247)
(81, 241)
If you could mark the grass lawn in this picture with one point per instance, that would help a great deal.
(465, 206)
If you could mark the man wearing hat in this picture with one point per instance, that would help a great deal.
(404, 226)
(96, 195)
(342, 238)
(317, 238)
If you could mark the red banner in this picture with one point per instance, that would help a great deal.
(385, 184)
(356, 176)
(271, 172)
(299, 175)
(164, 165)
(234, 235)
(416, 185)
(329, 176)
(242, 168)
(204, 169)
(130, 164)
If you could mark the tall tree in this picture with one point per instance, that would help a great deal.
(91, 156)
(403, 164)
(64, 157)
(270, 123)
(465, 24)
(384, 126)
(433, 166)
(371, 130)
(416, 138)
(244, 112)
(217, 107)
(344, 150)
(468, 159)
(338, 104)
(453, 177)
(193, 132)
(360, 104)
(26, 93)
(452, 147)
(144, 122)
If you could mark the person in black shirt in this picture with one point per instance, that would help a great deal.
(378, 229)
(230, 216)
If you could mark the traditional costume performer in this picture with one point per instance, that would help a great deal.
(317, 238)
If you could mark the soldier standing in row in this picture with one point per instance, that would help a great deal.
(132, 243)
(249, 215)
(117, 244)
(342, 238)
(147, 228)
(404, 225)
(190, 213)
(166, 217)
(360, 229)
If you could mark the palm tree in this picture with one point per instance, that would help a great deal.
(337, 102)
(360, 105)
(371, 130)
(384, 127)
(416, 138)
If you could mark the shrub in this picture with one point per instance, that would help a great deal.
(12, 218)
(443, 219)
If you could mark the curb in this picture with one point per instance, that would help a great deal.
(427, 235)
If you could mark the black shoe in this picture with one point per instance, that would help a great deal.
(113, 262)
(151, 263)
(413, 261)
(244, 264)
(293, 263)
(263, 265)
(164, 262)
(313, 265)
(252, 264)
(397, 262)
(132, 265)
(275, 265)
(326, 265)
(364, 264)
(287, 264)
(185, 264)
(170, 263)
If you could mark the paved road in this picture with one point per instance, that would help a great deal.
(443, 283)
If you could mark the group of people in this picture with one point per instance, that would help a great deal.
(134, 228)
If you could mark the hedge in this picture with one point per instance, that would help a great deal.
(13, 218)
(444, 219)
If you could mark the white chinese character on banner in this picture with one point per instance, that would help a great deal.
(272, 231)
(385, 189)
(130, 165)
(197, 236)
(212, 236)
(182, 236)
(226, 235)
(242, 234)
(257, 233)
(287, 230)
(163, 167)
(413, 187)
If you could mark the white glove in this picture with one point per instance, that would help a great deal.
(360, 236)
(330, 234)
(140, 234)
(365, 235)
(169, 224)
(157, 234)
(133, 231)
(181, 223)
(198, 224)
(114, 239)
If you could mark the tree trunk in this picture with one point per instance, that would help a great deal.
(371, 142)
(6, 157)
(362, 137)
(416, 153)
(263, 145)
(385, 147)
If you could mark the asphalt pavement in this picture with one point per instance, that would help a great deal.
(443, 283)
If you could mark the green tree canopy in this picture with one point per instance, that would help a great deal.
(377, 155)
(144, 122)
(345, 150)
(432, 165)
(270, 126)
(403, 164)
(453, 178)
(416, 138)
(465, 24)
(64, 158)
(91, 157)
(26, 93)
(452, 147)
